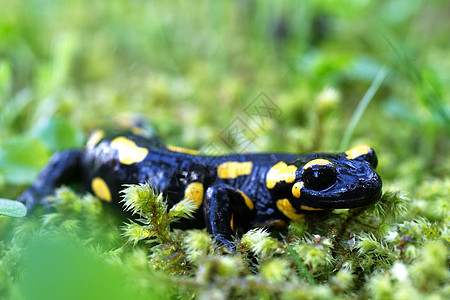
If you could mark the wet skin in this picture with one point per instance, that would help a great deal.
(230, 192)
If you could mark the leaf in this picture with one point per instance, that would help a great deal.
(21, 158)
(59, 134)
(12, 208)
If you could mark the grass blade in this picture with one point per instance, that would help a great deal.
(368, 96)
(300, 265)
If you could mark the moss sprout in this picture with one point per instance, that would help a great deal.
(153, 209)
(342, 280)
(259, 242)
(198, 243)
(276, 269)
(431, 270)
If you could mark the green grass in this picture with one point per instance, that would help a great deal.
(69, 66)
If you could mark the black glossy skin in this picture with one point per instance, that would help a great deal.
(345, 183)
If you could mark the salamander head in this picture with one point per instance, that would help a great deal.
(344, 180)
(328, 181)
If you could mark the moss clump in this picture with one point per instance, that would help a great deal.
(347, 254)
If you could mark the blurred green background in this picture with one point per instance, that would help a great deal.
(69, 66)
(192, 68)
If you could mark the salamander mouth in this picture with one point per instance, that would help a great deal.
(346, 202)
(341, 203)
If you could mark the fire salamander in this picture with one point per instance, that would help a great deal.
(230, 191)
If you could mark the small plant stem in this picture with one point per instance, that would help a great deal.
(300, 265)
(368, 96)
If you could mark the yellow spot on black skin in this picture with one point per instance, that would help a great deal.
(314, 162)
(247, 200)
(95, 137)
(275, 224)
(233, 169)
(232, 223)
(101, 189)
(357, 151)
(303, 207)
(195, 191)
(183, 150)
(288, 210)
(296, 189)
(139, 131)
(129, 152)
(280, 172)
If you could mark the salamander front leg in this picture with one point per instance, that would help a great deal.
(63, 167)
(226, 208)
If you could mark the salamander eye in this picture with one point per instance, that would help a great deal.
(319, 174)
